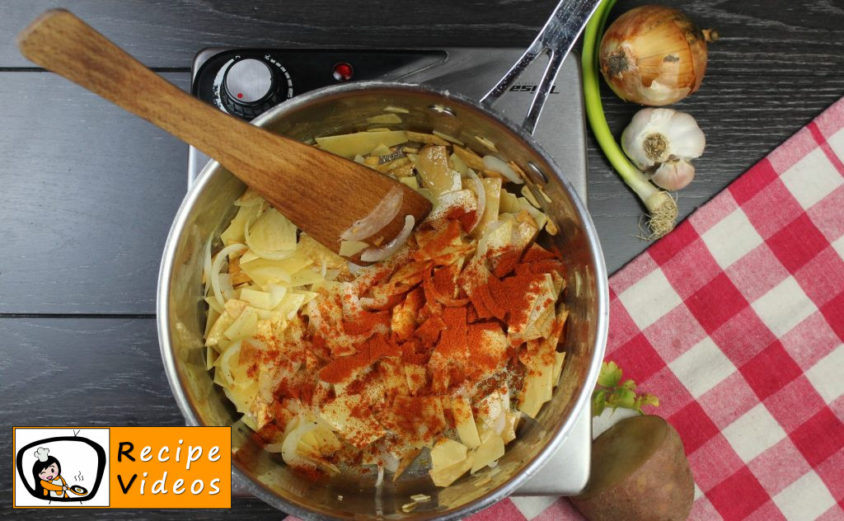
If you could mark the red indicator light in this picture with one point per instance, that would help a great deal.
(343, 72)
(239, 95)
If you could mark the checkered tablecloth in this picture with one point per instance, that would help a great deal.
(735, 320)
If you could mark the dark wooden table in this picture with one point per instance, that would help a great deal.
(87, 192)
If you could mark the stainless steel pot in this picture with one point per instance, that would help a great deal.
(206, 211)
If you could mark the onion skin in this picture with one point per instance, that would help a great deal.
(653, 55)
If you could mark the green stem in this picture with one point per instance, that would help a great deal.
(660, 205)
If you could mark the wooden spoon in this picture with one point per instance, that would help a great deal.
(323, 194)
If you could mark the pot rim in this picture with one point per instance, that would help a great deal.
(581, 402)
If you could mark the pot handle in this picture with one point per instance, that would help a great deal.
(556, 39)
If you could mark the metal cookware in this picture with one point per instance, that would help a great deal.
(79, 490)
(208, 207)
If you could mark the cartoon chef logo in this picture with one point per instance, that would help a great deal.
(47, 472)
(61, 470)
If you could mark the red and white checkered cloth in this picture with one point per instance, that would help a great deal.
(736, 321)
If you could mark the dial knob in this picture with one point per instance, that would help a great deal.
(250, 87)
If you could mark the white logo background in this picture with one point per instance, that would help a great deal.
(78, 463)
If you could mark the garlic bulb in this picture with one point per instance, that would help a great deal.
(653, 55)
(656, 136)
(674, 175)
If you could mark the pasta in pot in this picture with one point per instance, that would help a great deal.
(443, 345)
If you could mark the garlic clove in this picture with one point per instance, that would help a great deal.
(687, 139)
(655, 136)
(674, 175)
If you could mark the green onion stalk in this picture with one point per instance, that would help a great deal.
(661, 206)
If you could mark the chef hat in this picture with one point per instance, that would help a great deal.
(42, 453)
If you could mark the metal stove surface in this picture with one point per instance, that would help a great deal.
(264, 77)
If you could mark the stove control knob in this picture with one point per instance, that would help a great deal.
(250, 87)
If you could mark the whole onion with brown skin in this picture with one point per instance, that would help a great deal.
(653, 55)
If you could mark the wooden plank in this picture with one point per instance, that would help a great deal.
(79, 371)
(91, 372)
(163, 33)
(89, 193)
(742, 121)
(93, 244)
(771, 37)
(776, 66)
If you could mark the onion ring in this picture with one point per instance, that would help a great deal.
(375, 221)
(496, 164)
(481, 193)
(220, 290)
(377, 254)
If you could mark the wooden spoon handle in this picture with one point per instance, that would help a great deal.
(60, 42)
(321, 193)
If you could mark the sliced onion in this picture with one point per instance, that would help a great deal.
(378, 254)
(315, 319)
(226, 288)
(493, 163)
(380, 216)
(206, 266)
(481, 193)
(351, 300)
(354, 269)
(257, 248)
(249, 198)
(225, 361)
(216, 284)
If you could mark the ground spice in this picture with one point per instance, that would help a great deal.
(536, 252)
(343, 367)
(504, 261)
(481, 299)
(268, 432)
(485, 356)
(453, 342)
(440, 241)
(319, 348)
(440, 285)
(471, 314)
(415, 418)
(443, 327)
(403, 321)
(466, 219)
(367, 322)
(516, 292)
(429, 331)
(495, 297)
(445, 281)
(312, 474)
(380, 346)
(431, 308)
(539, 267)
(411, 353)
